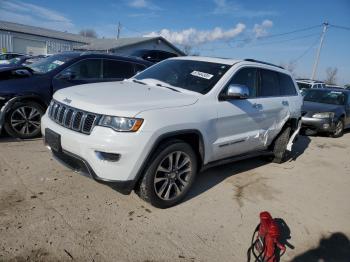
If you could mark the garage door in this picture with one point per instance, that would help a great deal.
(27, 46)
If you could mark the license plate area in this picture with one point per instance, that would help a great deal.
(53, 140)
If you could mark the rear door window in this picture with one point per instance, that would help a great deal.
(287, 87)
(269, 83)
(115, 69)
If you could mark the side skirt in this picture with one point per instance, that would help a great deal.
(236, 159)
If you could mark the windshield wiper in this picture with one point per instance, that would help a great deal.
(168, 88)
(139, 82)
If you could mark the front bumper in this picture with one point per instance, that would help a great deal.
(318, 124)
(82, 166)
(82, 150)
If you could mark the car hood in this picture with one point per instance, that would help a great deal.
(313, 107)
(122, 98)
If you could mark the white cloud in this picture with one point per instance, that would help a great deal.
(261, 30)
(143, 4)
(138, 3)
(30, 14)
(194, 36)
(226, 7)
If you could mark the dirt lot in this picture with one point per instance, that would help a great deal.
(49, 213)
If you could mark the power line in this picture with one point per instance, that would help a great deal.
(306, 51)
(260, 44)
(248, 39)
(340, 27)
(286, 40)
(291, 32)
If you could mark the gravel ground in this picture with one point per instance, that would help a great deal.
(49, 213)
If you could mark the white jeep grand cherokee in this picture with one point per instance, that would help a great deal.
(154, 132)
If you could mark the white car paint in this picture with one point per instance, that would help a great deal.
(228, 128)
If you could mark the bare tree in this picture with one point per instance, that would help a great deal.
(188, 50)
(290, 66)
(88, 33)
(331, 75)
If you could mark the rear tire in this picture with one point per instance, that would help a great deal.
(23, 120)
(279, 147)
(169, 175)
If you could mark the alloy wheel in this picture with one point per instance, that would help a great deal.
(25, 120)
(338, 128)
(172, 175)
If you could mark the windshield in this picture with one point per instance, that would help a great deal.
(197, 76)
(15, 61)
(325, 97)
(50, 63)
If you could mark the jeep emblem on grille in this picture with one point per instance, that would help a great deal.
(66, 100)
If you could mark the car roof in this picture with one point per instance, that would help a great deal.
(309, 81)
(77, 54)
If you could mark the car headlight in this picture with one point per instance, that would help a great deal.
(121, 124)
(323, 115)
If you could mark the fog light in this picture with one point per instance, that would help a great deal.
(112, 157)
(325, 126)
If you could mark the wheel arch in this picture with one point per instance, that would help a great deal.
(191, 136)
(22, 98)
(292, 123)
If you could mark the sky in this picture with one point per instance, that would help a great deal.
(277, 31)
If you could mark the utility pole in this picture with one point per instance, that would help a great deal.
(314, 70)
(118, 30)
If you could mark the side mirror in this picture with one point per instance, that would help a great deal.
(67, 75)
(235, 92)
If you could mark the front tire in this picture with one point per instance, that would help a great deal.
(169, 175)
(23, 120)
(279, 147)
(339, 129)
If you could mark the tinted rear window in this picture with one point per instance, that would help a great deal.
(287, 87)
(117, 69)
(269, 83)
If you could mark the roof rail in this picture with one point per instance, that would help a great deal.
(310, 80)
(262, 62)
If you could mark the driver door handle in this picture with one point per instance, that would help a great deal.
(285, 103)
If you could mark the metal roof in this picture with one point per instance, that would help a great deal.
(106, 44)
(95, 44)
(39, 31)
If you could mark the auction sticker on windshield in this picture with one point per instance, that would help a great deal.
(202, 75)
(58, 62)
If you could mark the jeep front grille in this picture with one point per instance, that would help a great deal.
(72, 118)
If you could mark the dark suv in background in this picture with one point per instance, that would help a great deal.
(26, 91)
(153, 56)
